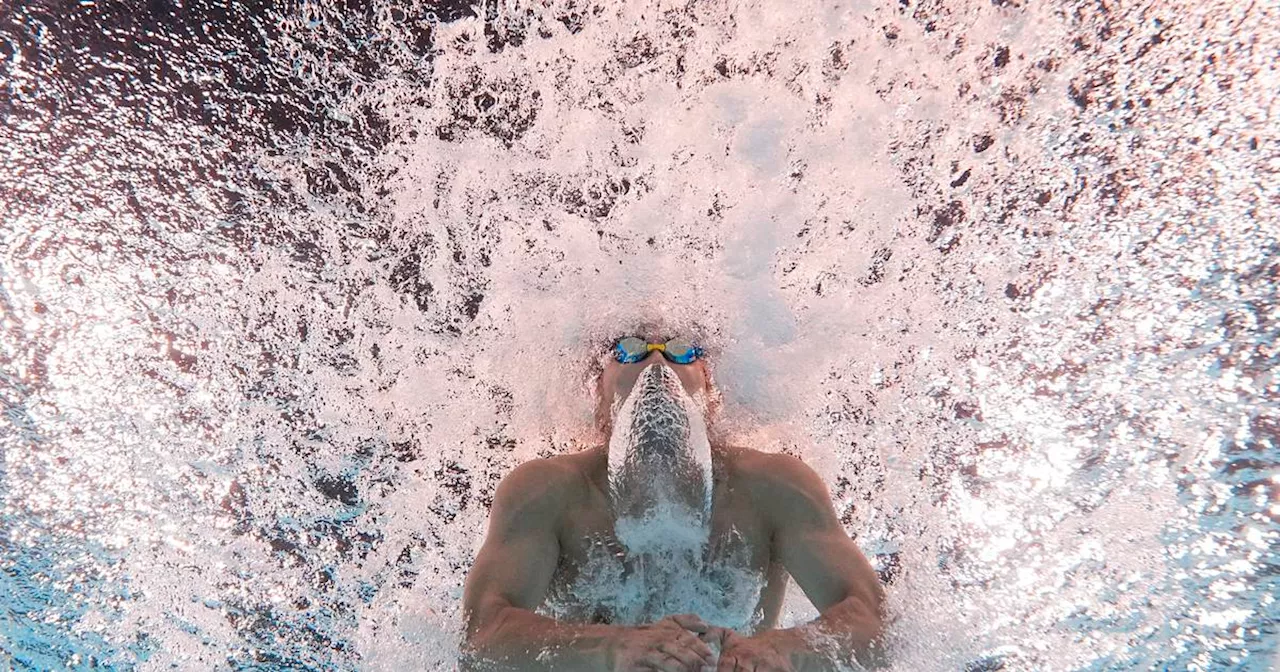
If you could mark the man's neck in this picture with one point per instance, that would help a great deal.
(598, 464)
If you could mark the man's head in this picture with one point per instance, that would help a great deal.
(617, 380)
(659, 461)
(654, 413)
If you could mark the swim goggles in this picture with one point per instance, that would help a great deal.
(679, 350)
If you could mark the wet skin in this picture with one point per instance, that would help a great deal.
(739, 532)
(549, 513)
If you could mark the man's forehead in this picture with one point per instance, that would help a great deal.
(649, 330)
(657, 331)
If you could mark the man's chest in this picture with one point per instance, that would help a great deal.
(737, 527)
(599, 579)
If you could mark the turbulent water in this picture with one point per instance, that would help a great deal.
(286, 291)
(659, 451)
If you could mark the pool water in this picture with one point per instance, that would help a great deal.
(286, 291)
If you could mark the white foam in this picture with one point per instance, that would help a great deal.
(1025, 407)
(659, 415)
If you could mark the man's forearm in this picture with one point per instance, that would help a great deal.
(849, 630)
(520, 639)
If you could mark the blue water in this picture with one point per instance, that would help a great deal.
(285, 292)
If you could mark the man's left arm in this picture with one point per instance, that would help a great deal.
(828, 566)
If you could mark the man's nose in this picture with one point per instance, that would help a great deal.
(628, 381)
(654, 357)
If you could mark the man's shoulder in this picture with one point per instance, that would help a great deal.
(778, 482)
(541, 482)
(759, 468)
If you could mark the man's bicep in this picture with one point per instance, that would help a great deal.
(829, 567)
(813, 545)
(515, 565)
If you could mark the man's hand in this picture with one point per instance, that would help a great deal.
(670, 645)
(761, 653)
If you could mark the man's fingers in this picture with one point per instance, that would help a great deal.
(735, 664)
(688, 658)
(696, 645)
(691, 622)
(715, 634)
(657, 660)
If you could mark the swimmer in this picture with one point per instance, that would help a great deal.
(571, 529)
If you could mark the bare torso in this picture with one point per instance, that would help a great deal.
(741, 581)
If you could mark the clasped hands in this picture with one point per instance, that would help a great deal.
(684, 642)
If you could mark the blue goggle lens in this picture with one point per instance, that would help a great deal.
(680, 351)
(631, 349)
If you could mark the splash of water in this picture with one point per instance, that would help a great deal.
(659, 452)
(285, 295)
(662, 564)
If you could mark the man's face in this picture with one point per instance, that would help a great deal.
(617, 381)
(659, 460)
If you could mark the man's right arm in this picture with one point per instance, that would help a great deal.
(510, 578)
